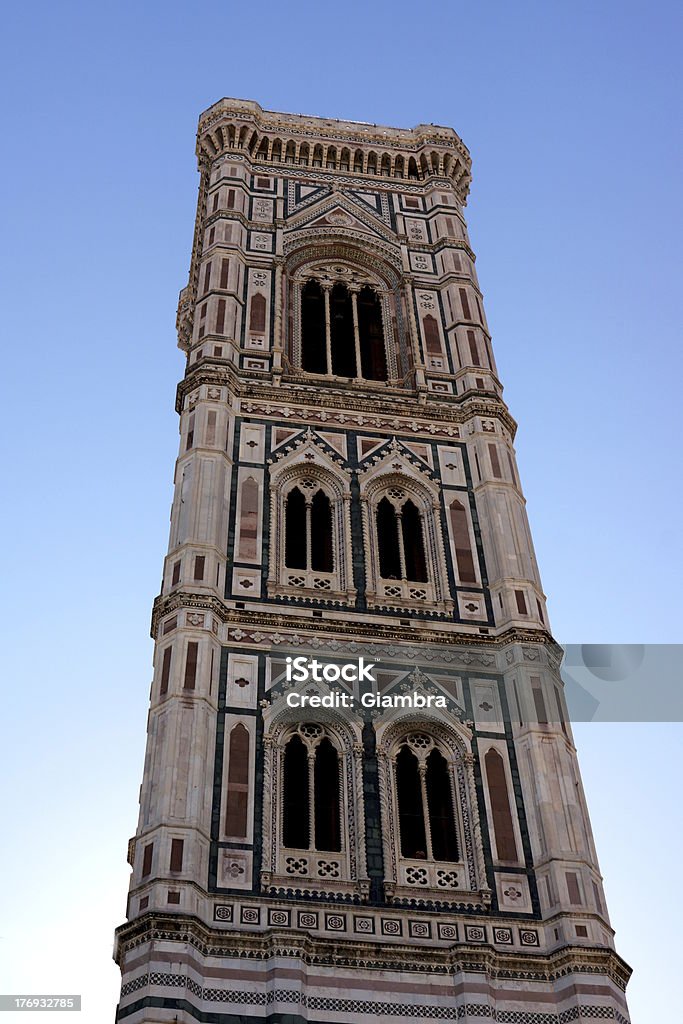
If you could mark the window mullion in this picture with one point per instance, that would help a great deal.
(422, 768)
(309, 534)
(328, 329)
(356, 334)
(311, 799)
(401, 549)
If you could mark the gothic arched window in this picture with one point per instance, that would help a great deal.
(310, 553)
(341, 328)
(322, 557)
(296, 555)
(424, 794)
(400, 541)
(326, 798)
(311, 814)
(308, 532)
(295, 796)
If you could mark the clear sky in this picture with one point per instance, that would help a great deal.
(569, 112)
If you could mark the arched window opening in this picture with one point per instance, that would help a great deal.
(413, 544)
(388, 542)
(386, 164)
(372, 163)
(331, 157)
(440, 801)
(277, 150)
(342, 332)
(411, 822)
(503, 828)
(317, 156)
(345, 160)
(373, 356)
(412, 168)
(238, 783)
(326, 798)
(296, 796)
(262, 150)
(308, 532)
(461, 538)
(358, 160)
(304, 153)
(290, 152)
(321, 533)
(398, 167)
(295, 530)
(313, 333)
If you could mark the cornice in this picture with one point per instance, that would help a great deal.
(375, 632)
(371, 955)
(331, 129)
(300, 397)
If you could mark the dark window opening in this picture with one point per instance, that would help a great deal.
(342, 333)
(440, 800)
(176, 862)
(313, 342)
(372, 354)
(321, 535)
(295, 796)
(413, 544)
(387, 538)
(147, 859)
(191, 665)
(410, 816)
(165, 670)
(295, 530)
(327, 824)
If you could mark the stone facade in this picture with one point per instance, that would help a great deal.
(392, 413)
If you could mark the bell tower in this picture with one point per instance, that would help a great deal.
(361, 798)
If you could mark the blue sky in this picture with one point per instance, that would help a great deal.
(568, 110)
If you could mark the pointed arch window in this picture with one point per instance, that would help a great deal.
(322, 557)
(295, 793)
(400, 538)
(342, 331)
(311, 817)
(308, 531)
(424, 794)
